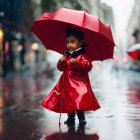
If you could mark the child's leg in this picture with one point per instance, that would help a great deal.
(81, 116)
(71, 118)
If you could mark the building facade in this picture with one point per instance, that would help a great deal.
(134, 24)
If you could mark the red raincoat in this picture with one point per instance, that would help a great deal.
(77, 92)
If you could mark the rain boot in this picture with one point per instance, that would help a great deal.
(81, 117)
(71, 119)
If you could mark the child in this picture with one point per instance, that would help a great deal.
(72, 93)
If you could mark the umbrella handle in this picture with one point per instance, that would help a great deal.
(61, 101)
(62, 94)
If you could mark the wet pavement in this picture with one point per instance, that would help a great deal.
(23, 118)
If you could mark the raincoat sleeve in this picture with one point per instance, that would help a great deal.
(60, 66)
(84, 64)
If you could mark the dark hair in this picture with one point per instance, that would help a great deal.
(77, 33)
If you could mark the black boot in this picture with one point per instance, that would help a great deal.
(81, 117)
(71, 119)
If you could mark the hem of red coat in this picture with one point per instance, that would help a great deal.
(71, 111)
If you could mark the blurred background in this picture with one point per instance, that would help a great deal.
(21, 50)
(28, 71)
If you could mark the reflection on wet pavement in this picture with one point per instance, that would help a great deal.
(22, 117)
(72, 134)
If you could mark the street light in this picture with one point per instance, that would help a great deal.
(35, 46)
(1, 39)
(124, 60)
(115, 57)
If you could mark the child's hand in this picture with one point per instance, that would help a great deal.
(62, 59)
(73, 61)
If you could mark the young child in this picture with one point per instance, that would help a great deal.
(72, 93)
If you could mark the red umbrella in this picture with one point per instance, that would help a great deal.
(134, 51)
(50, 28)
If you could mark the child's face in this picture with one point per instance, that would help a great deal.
(73, 43)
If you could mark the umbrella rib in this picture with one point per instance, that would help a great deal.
(98, 52)
(100, 58)
(51, 44)
(95, 43)
(83, 18)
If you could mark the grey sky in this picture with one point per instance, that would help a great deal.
(122, 10)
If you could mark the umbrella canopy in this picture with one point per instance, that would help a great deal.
(51, 28)
(134, 51)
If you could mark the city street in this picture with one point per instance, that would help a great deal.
(23, 118)
(35, 34)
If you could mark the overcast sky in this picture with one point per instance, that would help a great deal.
(122, 10)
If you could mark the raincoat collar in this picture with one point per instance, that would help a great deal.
(76, 52)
